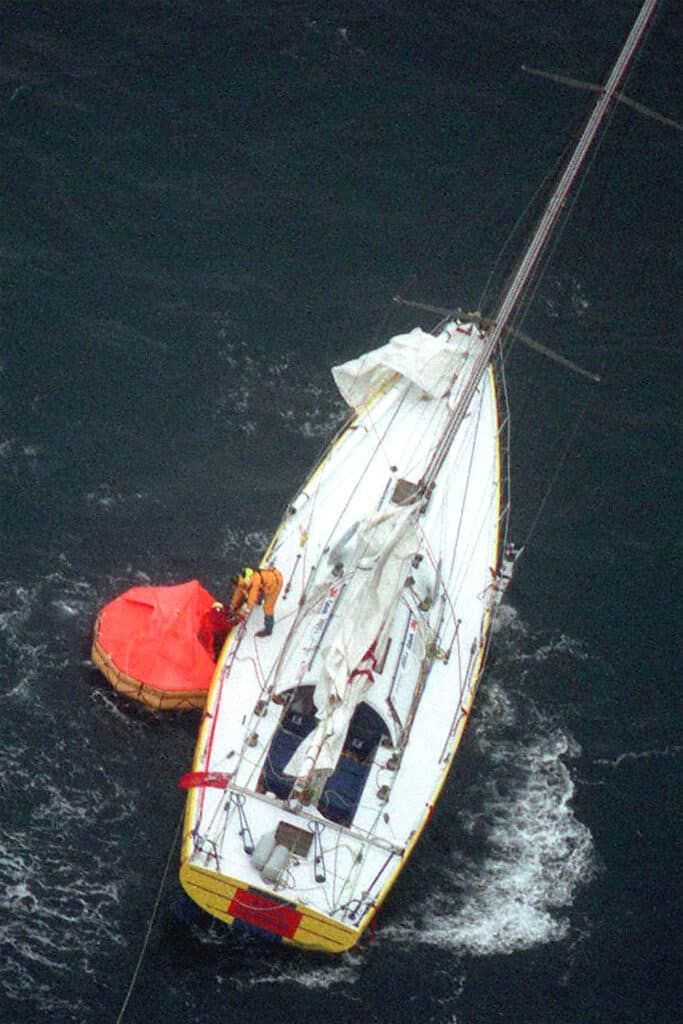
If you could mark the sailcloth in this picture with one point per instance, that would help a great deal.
(430, 363)
(385, 546)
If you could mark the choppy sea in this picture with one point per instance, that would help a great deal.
(205, 205)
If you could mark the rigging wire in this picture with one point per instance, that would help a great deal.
(542, 190)
(553, 479)
(592, 395)
(522, 310)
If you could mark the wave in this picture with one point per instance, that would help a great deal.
(59, 911)
(72, 801)
(670, 751)
(300, 396)
(520, 855)
(563, 293)
(18, 457)
(322, 978)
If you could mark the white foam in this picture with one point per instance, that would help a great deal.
(106, 497)
(63, 869)
(231, 542)
(627, 756)
(345, 971)
(508, 620)
(320, 422)
(23, 653)
(562, 645)
(19, 456)
(67, 609)
(305, 404)
(497, 709)
(41, 629)
(565, 289)
(580, 303)
(110, 705)
(536, 854)
(257, 540)
(55, 914)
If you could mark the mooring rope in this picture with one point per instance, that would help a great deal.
(150, 923)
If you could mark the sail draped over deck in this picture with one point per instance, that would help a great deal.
(385, 546)
(430, 363)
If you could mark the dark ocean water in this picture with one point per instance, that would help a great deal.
(206, 205)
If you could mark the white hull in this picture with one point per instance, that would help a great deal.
(348, 818)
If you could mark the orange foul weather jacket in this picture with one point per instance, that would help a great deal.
(265, 584)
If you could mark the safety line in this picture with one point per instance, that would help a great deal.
(151, 921)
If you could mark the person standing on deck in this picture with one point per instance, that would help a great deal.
(256, 586)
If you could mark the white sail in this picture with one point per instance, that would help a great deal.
(430, 363)
(385, 546)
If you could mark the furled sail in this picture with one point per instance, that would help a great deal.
(430, 363)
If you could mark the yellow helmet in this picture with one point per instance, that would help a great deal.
(246, 574)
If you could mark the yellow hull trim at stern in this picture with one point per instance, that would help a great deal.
(293, 923)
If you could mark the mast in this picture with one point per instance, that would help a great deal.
(539, 241)
(556, 203)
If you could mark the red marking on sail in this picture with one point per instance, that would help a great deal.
(196, 780)
(265, 913)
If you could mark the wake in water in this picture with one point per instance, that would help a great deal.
(521, 855)
(284, 389)
(60, 909)
(73, 887)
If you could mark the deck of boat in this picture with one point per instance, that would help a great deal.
(345, 841)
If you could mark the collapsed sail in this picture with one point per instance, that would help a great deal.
(384, 546)
(429, 362)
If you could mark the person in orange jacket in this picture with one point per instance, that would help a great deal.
(256, 586)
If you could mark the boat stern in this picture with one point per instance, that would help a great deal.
(262, 913)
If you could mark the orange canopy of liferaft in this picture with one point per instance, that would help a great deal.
(146, 643)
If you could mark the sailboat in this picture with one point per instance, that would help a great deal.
(323, 748)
